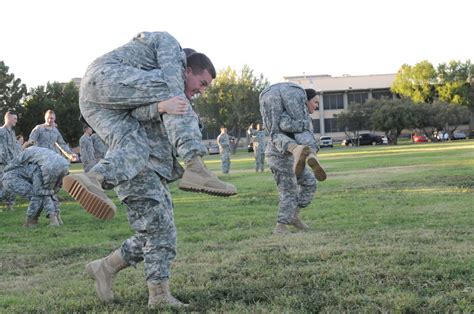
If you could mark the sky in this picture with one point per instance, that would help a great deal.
(55, 40)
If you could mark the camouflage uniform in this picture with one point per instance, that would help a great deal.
(9, 149)
(47, 137)
(88, 158)
(294, 192)
(224, 149)
(259, 149)
(119, 92)
(36, 173)
(118, 99)
(100, 148)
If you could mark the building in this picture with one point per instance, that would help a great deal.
(337, 94)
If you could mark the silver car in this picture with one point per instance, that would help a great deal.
(325, 141)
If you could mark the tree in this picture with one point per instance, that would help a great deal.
(356, 119)
(232, 101)
(12, 90)
(60, 97)
(392, 116)
(416, 82)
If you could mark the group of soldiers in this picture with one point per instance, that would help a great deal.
(34, 169)
(138, 100)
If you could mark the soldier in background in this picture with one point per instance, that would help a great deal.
(88, 158)
(223, 141)
(9, 149)
(295, 182)
(37, 173)
(47, 135)
(100, 147)
(259, 144)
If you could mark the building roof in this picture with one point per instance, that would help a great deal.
(347, 82)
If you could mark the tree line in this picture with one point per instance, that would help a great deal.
(430, 98)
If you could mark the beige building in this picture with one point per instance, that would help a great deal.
(337, 94)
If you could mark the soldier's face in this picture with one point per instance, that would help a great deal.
(313, 104)
(11, 119)
(196, 83)
(49, 119)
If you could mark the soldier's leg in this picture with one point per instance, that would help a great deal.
(307, 186)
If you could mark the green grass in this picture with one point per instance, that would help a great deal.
(391, 231)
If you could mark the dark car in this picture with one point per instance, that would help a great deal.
(364, 139)
(250, 148)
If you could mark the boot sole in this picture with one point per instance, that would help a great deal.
(93, 204)
(318, 171)
(299, 168)
(199, 189)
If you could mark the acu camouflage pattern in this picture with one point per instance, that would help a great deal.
(118, 99)
(150, 214)
(37, 173)
(9, 149)
(223, 141)
(294, 192)
(100, 148)
(87, 153)
(259, 144)
(47, 137)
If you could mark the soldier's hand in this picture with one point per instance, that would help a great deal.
(176, 105)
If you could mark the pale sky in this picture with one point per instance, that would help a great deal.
(55, 40)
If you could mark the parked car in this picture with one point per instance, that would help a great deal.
(325, 141)
(419, 139)
(213, 149)
(458, 136)
(364, 139)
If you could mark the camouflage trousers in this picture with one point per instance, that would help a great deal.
(7, 197)
(225, 160)
(259, 160)
(293, 192)
(109, 96)
(150, 215)
(27, 181)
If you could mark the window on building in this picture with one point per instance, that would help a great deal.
(357, 97)
(330, 125)
(333, 101)
(379, 94)
(316, 126)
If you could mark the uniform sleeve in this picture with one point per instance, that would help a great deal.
(62, 143)
(3, 148)
(34, 135)
(290, 125)
(146, 113)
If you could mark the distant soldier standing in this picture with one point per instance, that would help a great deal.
(9, 149)
(88, 158)
(223, 141)
(259, 148)
(100, 148)
(37, 173)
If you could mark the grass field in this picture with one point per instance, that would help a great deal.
(392, 230)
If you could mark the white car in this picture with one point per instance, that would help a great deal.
(325, 141)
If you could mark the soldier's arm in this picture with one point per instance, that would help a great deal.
(290, 125)
(60, 141)
(3, 152)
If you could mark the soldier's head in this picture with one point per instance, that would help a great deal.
(87, 130)
(259, 127)
(312, 102)
(50, 118)
(199, 74)
(223, 129)
(10, 119)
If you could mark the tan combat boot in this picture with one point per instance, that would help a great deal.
(197, 178)
(159, 295)
(31, 222)
(299, 152)
(85, 188)
(280, 229)
(297, 222)
(53, 220)
(103, 272)
(318, 171)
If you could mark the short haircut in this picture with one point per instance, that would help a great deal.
(49, 111)
(199, 62)
(310, 93)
